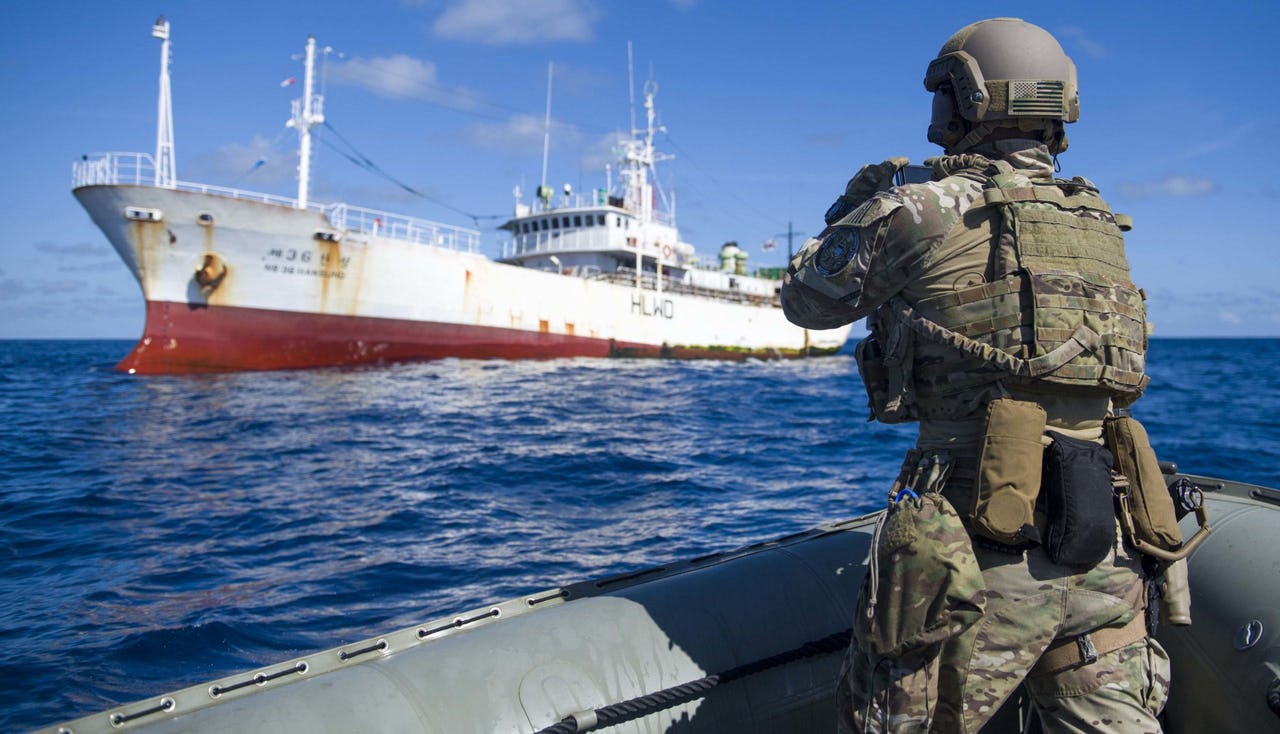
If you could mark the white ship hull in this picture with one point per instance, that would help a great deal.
(286, 288)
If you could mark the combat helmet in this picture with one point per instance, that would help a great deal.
(1002, 72)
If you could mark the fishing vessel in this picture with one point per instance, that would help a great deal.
(743, 641)
(238, 280)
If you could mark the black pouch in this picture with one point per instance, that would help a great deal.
(1081, 504)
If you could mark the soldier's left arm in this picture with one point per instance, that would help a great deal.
(824, 284)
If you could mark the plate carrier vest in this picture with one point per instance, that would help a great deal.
(1060, 310)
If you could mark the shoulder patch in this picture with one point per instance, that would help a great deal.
(872, 210)
(836, 252)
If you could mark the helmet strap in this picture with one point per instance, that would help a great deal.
(976, 135)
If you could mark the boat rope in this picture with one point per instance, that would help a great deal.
(362, 161)
(635, 708)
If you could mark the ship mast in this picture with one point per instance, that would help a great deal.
(640, 158)
(307, 113)
(166, 175)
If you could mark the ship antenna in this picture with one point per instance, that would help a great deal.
(307, 113)
(166, 175)
(546, 128)
(631, 88)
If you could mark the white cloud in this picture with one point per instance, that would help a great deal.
(1172, 186)
(1078, 39)
(601, 152)
(521, 134)
(254, 164)
(501, 22)
(402, 77)
(575, 80)
(1244, 311)
(1229, 139)
(76, 249)
(14, 289)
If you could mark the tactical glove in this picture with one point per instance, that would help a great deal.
(870, 178)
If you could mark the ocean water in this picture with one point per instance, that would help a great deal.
(158, 532)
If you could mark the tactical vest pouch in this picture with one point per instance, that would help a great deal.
(1081, 507)
(1154, 518)
(885, 361)
(924, 584)
(1009, 468)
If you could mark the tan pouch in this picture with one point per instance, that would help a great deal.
(1154, 518)
(1009, 470)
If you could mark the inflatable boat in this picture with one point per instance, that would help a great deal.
(742, 641)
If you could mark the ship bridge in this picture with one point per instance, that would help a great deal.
(590, 234)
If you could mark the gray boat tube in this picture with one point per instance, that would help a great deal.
(529, 664)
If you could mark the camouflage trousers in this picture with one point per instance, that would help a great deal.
(959, 684)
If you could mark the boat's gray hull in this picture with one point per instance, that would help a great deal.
(525, 664)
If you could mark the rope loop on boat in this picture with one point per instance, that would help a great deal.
(635, 708)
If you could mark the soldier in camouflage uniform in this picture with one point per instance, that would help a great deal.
(994, 285)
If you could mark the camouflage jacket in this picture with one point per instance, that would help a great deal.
(923, 243)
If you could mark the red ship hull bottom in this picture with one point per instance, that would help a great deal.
(186, 338)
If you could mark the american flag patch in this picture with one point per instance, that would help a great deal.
(1036, 97)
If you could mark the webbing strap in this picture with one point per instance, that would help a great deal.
(1048, 193)
(1082, 339)
(1064, 653)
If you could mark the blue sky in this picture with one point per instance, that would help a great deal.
(770, 107)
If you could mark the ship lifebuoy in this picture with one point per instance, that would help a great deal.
(666, 251)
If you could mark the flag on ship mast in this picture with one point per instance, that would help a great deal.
(290, 81)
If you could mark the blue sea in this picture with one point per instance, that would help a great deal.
(158, 532)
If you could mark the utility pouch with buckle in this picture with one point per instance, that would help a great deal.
(1080, 504)
(1009, 472)
(1155, 521)
(884, 360)
(1148, 515)
(924, 584)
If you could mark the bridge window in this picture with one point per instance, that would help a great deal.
(555, 223)
(577, 220)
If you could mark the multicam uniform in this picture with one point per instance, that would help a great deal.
(964, 304)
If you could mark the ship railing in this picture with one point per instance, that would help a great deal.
(95, 169)
(648, 282)
(242, 194)
(138, 169)
(593, 238)
(590, 200)
(400, 227)
(583, 240)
